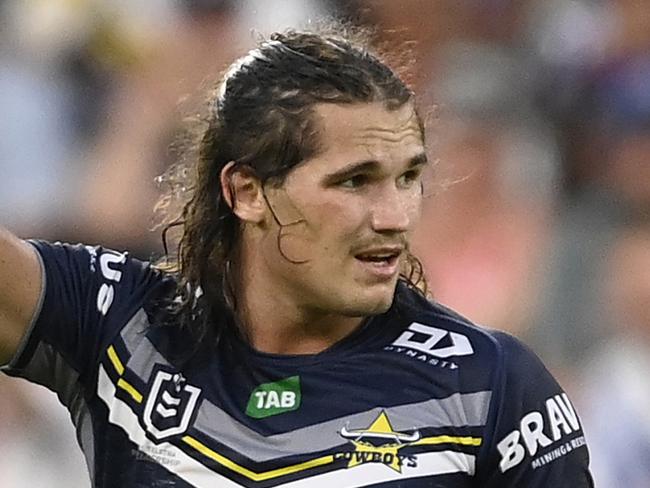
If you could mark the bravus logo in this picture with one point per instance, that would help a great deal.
(274, 398)
(538, 430)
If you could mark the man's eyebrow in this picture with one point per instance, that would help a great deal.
(369, 165)
(419, 160)
(351, 170)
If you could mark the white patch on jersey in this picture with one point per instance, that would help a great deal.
(460, 345)
(112, 276)
(560, 416)
(169, 406)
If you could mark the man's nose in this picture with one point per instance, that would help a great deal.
(393, 211)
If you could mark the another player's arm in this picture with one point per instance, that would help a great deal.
(20, 288)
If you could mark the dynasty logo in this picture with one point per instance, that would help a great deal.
(379, 443)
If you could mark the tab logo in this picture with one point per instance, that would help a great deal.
(275, 398)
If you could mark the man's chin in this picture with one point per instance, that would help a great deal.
(381, 307)
(374, 305)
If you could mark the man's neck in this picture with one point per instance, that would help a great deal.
(283, 328)
(273, 320)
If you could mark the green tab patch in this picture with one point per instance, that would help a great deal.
(270, 399)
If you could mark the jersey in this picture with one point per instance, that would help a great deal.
(416, 397)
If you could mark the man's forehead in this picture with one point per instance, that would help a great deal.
(369, 126)
(366, 119)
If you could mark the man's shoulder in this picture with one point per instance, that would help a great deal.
(102, 288)
(481, 357)
(450, 333)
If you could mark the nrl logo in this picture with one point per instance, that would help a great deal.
(379, 443)
(170, 405)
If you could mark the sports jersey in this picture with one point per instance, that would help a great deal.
(415, 397)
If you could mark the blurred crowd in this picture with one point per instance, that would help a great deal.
(537, 217)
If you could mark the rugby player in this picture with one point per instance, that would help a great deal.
(290, 341)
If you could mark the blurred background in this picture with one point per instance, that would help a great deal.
(538, 215)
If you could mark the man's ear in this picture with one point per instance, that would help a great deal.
(242, 190)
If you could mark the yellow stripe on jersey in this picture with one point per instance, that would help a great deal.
(274, 473)
(135, 394)
(117, 364)
(122, 383)
(446, 439)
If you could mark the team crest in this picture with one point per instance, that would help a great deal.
(379, 443)
(170, 405)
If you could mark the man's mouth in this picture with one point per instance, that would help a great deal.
(383, 263)
(386, 257)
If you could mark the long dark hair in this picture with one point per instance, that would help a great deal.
(260, 116)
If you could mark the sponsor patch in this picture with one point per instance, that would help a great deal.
(541, 429)
(274, 398)
(431, 345)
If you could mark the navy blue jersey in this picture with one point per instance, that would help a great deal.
(416, 397)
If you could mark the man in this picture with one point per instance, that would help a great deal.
(290, 344)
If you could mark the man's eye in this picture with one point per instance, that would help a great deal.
(355, 181)
(408, 178)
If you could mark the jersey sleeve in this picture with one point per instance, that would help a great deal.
(88, 295)
(534, 436)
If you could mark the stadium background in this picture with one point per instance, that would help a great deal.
(538, 216)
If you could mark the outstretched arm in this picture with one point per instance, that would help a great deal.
(20, 288)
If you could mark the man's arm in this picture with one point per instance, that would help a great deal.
(535, 438)
(20, 288)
